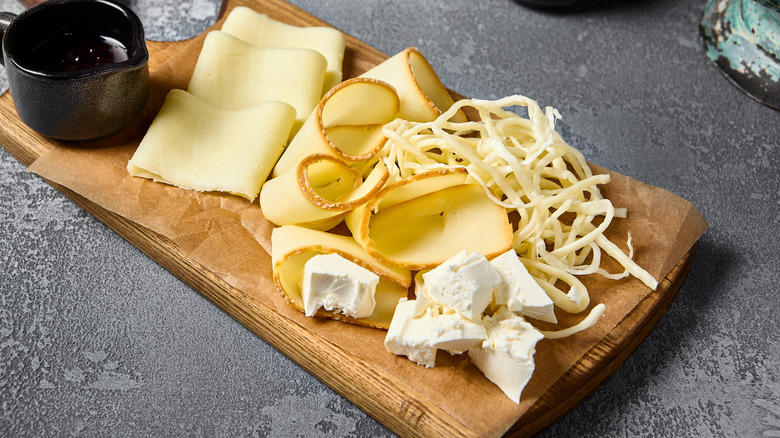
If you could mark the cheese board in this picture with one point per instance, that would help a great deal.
(389, 391)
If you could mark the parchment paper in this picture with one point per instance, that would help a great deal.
(229, 236)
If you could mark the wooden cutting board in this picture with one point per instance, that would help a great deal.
(380, 394)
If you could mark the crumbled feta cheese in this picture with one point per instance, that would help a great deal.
(519, 291)
(455, 334)
(410, 336)
(419, 337)
(464, 283)
(337, 284)
(506, 357)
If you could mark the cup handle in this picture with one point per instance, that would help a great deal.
(5, 20)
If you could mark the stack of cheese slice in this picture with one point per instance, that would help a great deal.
(233, 74)
(262, 31)
(248, 95)
(314, 183)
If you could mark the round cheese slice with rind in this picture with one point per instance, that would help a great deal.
(292, 246)
(347, 123)
(420, 222)
(318, 191)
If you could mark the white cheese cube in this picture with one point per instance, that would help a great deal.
(422, 303)
(337, 284)
(419, 335)
(455, 334)
(506, 357)
(519, 291)
(410, 336)
(464, 283)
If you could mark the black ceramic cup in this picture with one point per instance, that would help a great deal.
(77, 69)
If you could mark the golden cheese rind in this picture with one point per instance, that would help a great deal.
(193, 145)
(347, 124)
(292, 246)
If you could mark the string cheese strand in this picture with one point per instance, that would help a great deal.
(589, 320)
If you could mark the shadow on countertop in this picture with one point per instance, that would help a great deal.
(574, 6)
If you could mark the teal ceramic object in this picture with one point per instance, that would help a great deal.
(742, 38)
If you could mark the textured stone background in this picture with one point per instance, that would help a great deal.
(98, 340)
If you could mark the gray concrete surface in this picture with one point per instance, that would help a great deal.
(98, 340)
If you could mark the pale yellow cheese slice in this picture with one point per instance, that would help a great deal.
(263, 31)
(347, 124)
(423, 96)
(233, 74)
(292, 246)
(196, 146)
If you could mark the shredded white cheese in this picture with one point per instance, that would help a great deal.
(525, 166)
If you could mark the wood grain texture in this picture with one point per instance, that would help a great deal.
(383, 396)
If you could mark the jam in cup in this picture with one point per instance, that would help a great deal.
(77, 69)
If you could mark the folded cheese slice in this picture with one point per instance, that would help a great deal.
(347, 124)
(423, 96)
(262, 31)
(292, 246)
(318, 192)
(420, 222)
(194, 145)
(233, 74)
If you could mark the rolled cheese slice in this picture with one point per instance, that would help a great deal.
(193, 145)
(423, 96)
(233, 74)
(347, 124)
(292, 246)
(263, 31)
(318, 190)
(420, 222)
